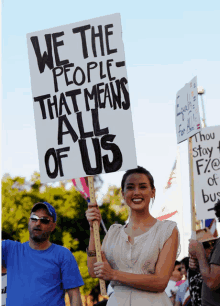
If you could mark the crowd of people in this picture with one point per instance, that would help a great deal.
(185, 284)
(139, 258)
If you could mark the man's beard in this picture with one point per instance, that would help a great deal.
(39, 238)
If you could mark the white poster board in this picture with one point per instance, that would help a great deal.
(81, 99)
(206, 166)
(187, 111)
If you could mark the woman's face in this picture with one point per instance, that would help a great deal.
(138, 192)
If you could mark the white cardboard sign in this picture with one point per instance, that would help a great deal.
(206, 168)
(81, 99)
(187, 111)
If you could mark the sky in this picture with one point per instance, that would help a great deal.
(166, 44)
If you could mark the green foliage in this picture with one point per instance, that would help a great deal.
(69, 242)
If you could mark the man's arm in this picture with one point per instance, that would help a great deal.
(210, 273)
(74, 296)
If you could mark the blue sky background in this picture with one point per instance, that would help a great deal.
(166, 43)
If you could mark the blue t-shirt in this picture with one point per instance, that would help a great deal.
(38, 277)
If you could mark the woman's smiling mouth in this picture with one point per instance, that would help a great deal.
(137, 200)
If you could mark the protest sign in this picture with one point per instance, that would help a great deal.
(81, 99)
(187, 111)
(206, 166)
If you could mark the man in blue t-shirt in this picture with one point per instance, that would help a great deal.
(39, 272)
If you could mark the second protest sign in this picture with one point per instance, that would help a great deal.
(206, 164)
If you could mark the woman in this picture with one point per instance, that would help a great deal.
(138, 258)
(183, 295)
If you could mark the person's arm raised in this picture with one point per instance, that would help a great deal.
(156, 282)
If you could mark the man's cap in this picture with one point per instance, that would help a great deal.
(204, 235)
(216, 206)
(49, 208)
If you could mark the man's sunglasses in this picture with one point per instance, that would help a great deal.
(208, 244)
(43, 220)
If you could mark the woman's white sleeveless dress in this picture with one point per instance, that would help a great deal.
(139, 258)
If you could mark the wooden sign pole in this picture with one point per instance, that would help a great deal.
(96, 233)
(192, 197)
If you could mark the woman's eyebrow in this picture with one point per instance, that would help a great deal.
(131, 184)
